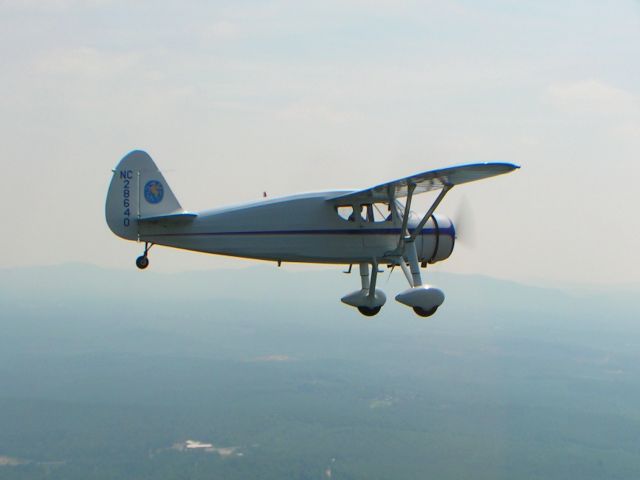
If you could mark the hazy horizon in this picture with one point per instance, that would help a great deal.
(238, 265)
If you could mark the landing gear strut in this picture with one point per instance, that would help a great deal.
(423, 299)
(367, 300)
(142, 261)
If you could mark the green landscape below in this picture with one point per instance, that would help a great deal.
(106, 374)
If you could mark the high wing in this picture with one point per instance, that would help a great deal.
(427, 181)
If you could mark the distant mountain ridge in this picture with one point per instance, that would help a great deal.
(75, 281)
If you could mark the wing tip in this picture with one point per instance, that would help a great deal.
(507, 166)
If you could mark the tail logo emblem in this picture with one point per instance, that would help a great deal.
(153, 191)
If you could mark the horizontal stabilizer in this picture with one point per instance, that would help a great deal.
(170, 219)
(426, 181)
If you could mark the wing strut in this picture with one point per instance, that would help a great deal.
(405, 235)
(405, 218)
(427, 215)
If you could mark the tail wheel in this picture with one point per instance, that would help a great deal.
(368, 311)
(142, 262)
(425, 313)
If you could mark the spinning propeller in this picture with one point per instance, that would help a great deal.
(464, 223)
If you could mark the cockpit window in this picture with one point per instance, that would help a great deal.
(368, 212)
(376, 212)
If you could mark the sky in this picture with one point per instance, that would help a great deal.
(233, 98)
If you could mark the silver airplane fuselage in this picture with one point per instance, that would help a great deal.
(299, 228)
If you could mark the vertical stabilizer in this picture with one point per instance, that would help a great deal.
(137, 190)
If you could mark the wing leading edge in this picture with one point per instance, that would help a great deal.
(427, 181)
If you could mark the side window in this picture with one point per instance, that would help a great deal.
(346, 212)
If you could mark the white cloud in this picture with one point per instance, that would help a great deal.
(318, 111)
(85, 61)
(50, 5)
(224, 30)
(593, 96)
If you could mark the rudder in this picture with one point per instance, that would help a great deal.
(137, 190)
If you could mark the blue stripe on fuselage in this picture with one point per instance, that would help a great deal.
(448, 231)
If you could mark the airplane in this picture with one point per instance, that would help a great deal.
(368, 228)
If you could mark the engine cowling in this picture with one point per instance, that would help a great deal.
(438, 239)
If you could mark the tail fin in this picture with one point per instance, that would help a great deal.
(137, 190)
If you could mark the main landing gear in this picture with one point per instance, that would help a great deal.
(142, 261)
(423, 299)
